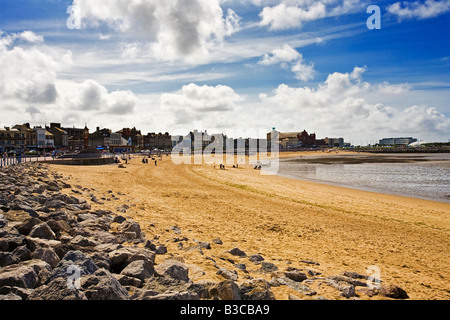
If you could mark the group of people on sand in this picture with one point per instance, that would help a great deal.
(145, 161)
(222, 167)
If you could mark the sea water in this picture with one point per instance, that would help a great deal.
(425, 179)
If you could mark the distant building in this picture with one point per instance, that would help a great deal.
(397, 141)
(289, 140)
(136, 137)
(61, 137)
(78, 139)
(158, 141)
(29, 135)
(104, 138)
(45, 140)
(11, 140)
(334, 142)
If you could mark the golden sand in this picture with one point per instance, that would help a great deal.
(284, 220)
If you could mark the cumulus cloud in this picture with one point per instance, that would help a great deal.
(30, 82)
(196, 103)
(288, 57)
(280, 55)
(283, 16)
(338, 107)
(419, 9)
(289, 14)
(172, 29)
(28, 74)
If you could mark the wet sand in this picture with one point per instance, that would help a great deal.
(285, 220)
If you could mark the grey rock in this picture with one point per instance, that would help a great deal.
(119, 219)
(173, 269)
(57, 290)
(394, 292)
(53, 186)
(42, 231)
(3, 221)
(130, 226)
(161, 249)
(227, 274)
(256, 258)
(28, 225)
(257, 289)
(348, 280)
(22, 253)
(122, 257)
(268, 267)
(227, 290)
(73, 262)
(101, 285)
(139, 269)
(10, 297)
(26, 275)
(82, 242)
(123, 208)
(302, 288)
(241, 266)
(7, 259)
(128, 281)
(203, 244)
(296, 275)
(149, 245)
(237, 252)
(35, 243)
(101, 260)
(46, 254)
(176, 229)
(347, 290)
(86, 216)
(21, 292)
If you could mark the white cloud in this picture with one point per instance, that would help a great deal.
(302, 71)
(174, 29)
(283, 17)
(338, 107)
(197, 103)
(30, 83)
(419, 9)
(280, 55)
(287, 56)
(288, 14)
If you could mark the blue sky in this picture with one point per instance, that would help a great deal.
(239, 67)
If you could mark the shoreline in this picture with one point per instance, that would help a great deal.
(366, 189)
(284, 219)
(349, 159)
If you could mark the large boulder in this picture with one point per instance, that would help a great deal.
(256, 289)
(42, 231)
(101, 285)
(139, 269)
(173, 269)
(394, 292)
(74, 264)
(26, 275)
(57, 290)
(46, 254)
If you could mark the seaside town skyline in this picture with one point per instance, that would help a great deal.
(231, 65)
(25, 137)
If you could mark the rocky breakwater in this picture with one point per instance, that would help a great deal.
(54, 246)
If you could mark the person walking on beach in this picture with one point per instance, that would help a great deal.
(156, 163)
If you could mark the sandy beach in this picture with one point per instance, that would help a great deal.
(286, 221)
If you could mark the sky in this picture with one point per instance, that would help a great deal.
(228, 66)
